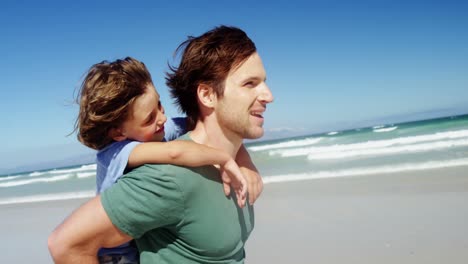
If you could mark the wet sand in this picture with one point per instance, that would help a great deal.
(406, 218)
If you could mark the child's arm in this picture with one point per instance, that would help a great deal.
(254, 180)
(191, 154)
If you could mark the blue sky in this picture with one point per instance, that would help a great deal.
(330, 64)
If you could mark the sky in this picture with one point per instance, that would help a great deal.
(331, 65)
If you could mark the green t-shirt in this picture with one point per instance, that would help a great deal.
(179, 215)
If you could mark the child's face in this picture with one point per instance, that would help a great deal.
(146, 120)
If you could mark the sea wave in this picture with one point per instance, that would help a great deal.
(36, 180)
(89, 167)
(36, 173)
(385, 129)
(374, 144)
(407, 167)
(85, 174)
(47, 197)
(9, 178)
(390, 150)
(288, 144)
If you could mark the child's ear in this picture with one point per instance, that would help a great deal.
(206, 95)
(116, 134)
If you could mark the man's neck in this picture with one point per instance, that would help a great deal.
(209, 133)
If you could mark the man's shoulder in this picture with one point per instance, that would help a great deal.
(162, 170)
(185, 136)
(182, 176)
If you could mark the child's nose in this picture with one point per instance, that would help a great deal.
(162, 118)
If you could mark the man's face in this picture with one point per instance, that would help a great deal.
(240, 110)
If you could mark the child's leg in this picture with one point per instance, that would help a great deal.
(116, 259)
(128, 254)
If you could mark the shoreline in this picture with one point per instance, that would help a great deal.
(417, 217)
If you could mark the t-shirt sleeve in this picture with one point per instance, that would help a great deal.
(174, 128)
(144, 199)
(111, 163)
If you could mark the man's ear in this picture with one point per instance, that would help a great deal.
(116, 134)
(206, 95)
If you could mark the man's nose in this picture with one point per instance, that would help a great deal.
(266, 96)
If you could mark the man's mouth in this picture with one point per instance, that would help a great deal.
(258, 114)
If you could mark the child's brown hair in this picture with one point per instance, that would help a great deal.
(105, 98)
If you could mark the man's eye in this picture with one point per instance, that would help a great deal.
(249, 84)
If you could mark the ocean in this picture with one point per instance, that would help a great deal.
(382, 149)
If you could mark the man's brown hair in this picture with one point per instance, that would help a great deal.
(206, 59)
(106, 96)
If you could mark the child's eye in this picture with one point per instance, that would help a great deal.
(150, 119)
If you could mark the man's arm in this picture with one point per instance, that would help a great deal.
(79, 237)
(254, 180)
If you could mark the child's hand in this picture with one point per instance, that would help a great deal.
(232, 176)
(254, 183)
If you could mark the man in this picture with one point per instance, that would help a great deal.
(178, 214)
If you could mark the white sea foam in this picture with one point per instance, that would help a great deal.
(91, 167)
(36, 173)
(85, 174)
(61, 171)
(332, 133)
(36, 180)
(366, 146)
(407, 167)
(84, 171)
(9, 178)
(48, 197)
(288, 144)
(386, 129)
(390, 150)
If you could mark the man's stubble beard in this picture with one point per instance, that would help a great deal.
(238, 123)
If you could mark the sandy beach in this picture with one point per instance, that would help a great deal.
(418, 217)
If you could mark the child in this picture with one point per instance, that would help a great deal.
(119, 109)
